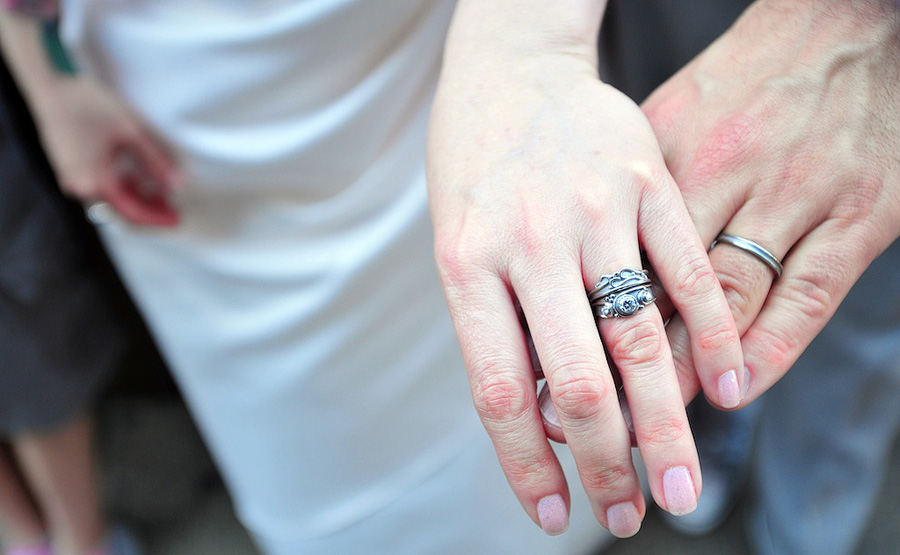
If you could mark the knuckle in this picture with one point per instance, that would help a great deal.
(812, 293)
(738, 288)
(580, 396)
(647, 176)
(696, 277)
(523, 470)
(502, 397)
(454, 260)
(662, 433)
(739, 300)
(719, 336)
(777, 350)
(861, 201)
(613, 477)
(638, 344)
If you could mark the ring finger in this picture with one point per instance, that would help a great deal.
(636, 344)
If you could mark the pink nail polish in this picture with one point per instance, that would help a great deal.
(623, 519)
(553, 514)
(681, 497)
(728, 390)
(548, 409)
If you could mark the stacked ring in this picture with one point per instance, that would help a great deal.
(621, 294)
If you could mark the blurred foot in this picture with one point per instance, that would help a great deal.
(724, 442)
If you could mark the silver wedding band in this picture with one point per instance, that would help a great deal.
(753, 248)
(621, 294)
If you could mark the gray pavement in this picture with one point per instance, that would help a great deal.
(158, 478)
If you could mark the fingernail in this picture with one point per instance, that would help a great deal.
(548, 409)
(553, 514)
(728, 389)
(745, 388)
(623, 519)
(681, 498)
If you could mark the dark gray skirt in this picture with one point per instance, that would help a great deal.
(58, 340)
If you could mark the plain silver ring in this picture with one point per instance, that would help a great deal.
(755, 249)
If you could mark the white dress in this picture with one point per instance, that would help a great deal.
(297, 303)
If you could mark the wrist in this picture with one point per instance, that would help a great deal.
(23, 47)
(808, 35)
(506, 31)
(838, 16)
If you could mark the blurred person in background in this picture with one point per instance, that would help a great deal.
(60, 346)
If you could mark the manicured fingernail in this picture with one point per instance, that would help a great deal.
(553, 514)
(623, 519)
(548, 409)
(681, 498)
(745, 388)
(729, 391)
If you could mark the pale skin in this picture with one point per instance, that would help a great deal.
(99, 150)
(632, 209)
(541, 180)
(784, 131)
(90, 138)
(796, 147)
(58, 468)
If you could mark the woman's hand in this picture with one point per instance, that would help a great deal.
(786, 131)
(101, 152)
(98, 148)
(542, 179)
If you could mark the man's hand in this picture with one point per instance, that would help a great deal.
(786, 131)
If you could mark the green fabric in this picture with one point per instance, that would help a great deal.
(55, 49)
